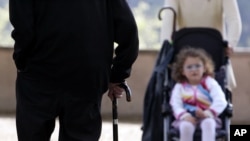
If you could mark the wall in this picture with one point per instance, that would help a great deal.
(138, 83)
(7, 81)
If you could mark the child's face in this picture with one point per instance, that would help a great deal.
(193, 69)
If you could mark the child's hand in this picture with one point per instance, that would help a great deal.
(190, 119)
(199, 113)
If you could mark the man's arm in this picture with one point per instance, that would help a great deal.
(22, 19)
(126, 36)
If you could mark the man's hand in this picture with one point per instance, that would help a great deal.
(115, 91)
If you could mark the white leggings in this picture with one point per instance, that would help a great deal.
(208, 128)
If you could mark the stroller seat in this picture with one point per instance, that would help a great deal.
(206, 38)
(212, 42)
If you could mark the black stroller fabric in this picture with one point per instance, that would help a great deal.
(206, 38)
(152, 115)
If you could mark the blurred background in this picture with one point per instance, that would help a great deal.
(145, 12)
(130, 114)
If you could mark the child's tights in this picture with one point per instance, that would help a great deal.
(207, 125)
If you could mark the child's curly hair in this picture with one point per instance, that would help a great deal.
(177, 67)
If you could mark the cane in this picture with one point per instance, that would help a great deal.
(114, 109)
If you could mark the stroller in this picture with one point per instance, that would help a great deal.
(157, 115)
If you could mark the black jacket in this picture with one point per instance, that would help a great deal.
(74, 40)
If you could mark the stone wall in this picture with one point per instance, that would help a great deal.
(138, 83)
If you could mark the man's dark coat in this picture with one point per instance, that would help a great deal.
(73, 41)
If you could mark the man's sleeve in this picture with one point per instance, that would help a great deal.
(126, 36)
(22, 19)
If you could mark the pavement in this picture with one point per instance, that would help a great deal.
(127, 131)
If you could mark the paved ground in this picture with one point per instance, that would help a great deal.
(127, 131)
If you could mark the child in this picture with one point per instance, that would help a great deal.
(197, 99)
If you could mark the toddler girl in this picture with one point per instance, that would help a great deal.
(197, 99)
